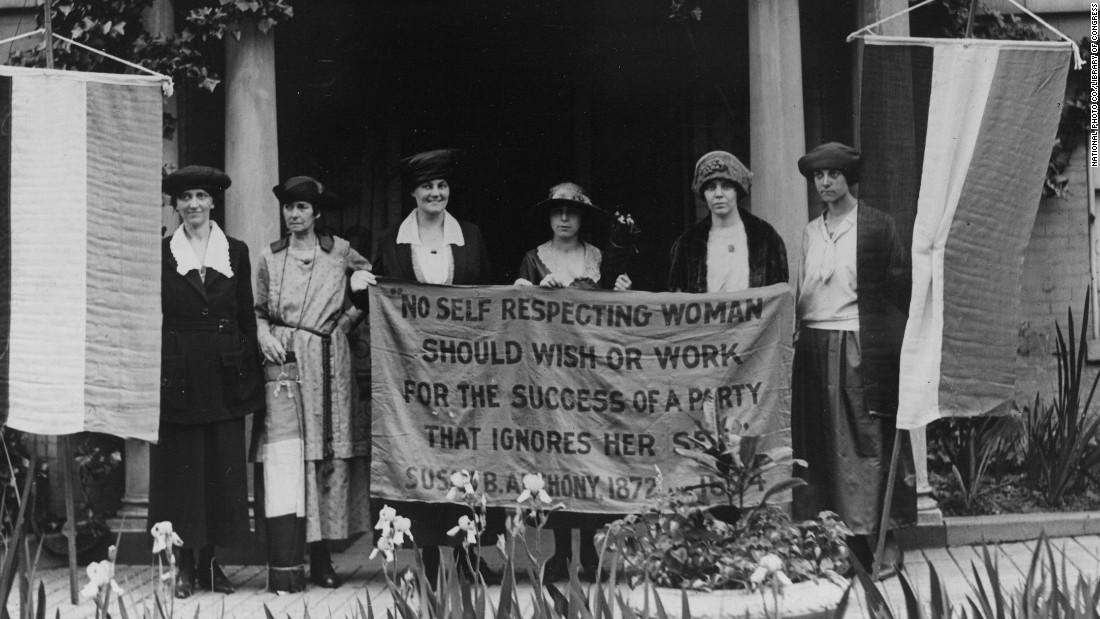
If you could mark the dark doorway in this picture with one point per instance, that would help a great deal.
(613, 95)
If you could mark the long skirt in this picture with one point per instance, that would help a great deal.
(846, 448)
(198, 482)
(332, 496)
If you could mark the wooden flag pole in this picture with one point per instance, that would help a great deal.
(970, 18)
(65, 441)
(47, 25)
(887, 504)
(70, 513)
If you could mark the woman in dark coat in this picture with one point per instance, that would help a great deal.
(210, 379)
(853, 297)
(431, 246)
(731, 249)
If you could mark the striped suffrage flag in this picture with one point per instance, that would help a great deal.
(80, 157)
(956, 136)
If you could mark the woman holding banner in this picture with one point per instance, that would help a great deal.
(210, 379)
(567, 260)
(731, 249)
(853, 297)
(562, 262)
(314, 455)
(430, 246)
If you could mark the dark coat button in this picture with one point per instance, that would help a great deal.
(205, 311)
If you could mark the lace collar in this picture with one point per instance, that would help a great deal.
(554, 262)
(217, 252)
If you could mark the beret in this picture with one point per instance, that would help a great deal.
(195, 177)
(832, 156)
(720, 164)
(305, 189)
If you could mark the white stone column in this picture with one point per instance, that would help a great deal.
(251, 139)
(777, 121)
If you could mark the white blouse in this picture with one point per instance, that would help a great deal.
(431, 266)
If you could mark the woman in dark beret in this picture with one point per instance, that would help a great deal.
(853, 298)
(430, 246)
(210, 379)
(315, 457)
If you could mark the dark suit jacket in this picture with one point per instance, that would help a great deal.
(472, 266)
(767, 256)
(884, 282)
(208, 373)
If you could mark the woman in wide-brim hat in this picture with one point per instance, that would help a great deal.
(315, 459)
(210, 380)
(566, 259)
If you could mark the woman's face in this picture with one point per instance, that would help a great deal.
(299, 217)
(721, 196)
(431, 196)
(566, 221)
(831, 185)
(194, 207)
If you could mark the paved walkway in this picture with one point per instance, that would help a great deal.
(365, 582)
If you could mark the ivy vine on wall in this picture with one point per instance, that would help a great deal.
(115, 26)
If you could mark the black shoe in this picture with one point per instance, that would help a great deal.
(324, 576)
(556, 569)
(212, 578)
(185, 575)
(488, 576)
(321, 572)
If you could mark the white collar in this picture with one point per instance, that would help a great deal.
(217, 252)
(409, 232)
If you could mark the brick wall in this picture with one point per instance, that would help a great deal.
(1056, 276)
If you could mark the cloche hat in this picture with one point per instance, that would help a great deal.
(720, 164)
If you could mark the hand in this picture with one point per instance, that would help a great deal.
(273, 351)
(554, 280)
(623, 283)
(361, 279)
(343, 324)
(523, 282)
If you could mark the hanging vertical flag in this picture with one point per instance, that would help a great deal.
(80, 219)
(956, 136)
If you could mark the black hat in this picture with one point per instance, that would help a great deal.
(568, 194)
(195, 177)
(832, 156)
(305, 189)
(428, 166)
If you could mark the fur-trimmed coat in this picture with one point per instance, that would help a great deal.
(767, 255)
